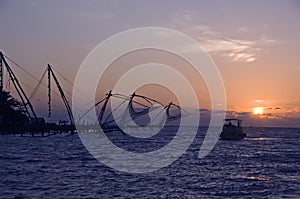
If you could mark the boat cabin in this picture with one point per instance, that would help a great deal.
(233, 122)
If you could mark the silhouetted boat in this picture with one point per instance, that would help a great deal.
(232, 130)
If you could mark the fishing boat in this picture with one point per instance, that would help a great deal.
(232, 130)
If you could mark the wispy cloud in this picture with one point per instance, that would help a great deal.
(235, 50)
(231, 48)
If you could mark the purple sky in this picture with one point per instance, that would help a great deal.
(255, 44)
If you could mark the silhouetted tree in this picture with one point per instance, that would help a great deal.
(11, 110)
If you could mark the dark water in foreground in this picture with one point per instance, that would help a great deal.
(264, 165)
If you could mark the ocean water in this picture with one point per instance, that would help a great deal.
(264, 165)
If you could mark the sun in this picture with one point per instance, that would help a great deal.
(258, 110)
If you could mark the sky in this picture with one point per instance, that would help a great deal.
(255, 45)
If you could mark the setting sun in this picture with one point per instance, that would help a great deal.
(258, 110)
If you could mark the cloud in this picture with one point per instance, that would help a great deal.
(243, 29)
(235, 50)
(274, 116)
(258, 101)
(203, 110)
(231, 48)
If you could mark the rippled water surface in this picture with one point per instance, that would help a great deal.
(264, 165)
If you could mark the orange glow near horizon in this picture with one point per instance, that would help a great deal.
(258, 110)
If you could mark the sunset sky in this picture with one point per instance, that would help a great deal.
(255, 45)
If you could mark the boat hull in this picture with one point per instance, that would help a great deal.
(232, 134)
